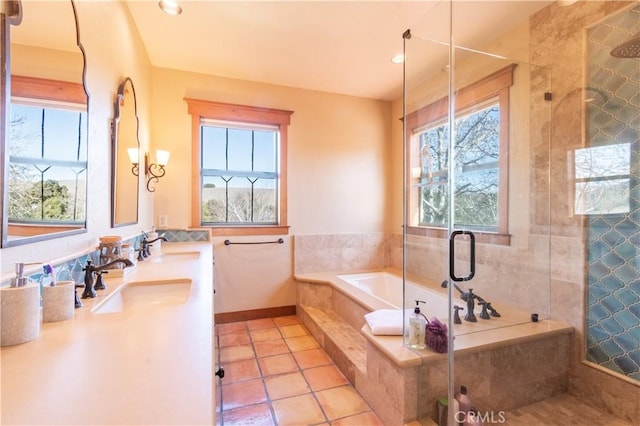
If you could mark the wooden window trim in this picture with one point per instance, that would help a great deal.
(48, 90)
(200, 110)
(495, 85)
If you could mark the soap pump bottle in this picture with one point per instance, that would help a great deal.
(417, 328)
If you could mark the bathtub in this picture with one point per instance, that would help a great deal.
(385, 289)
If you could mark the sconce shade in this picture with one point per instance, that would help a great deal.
(163, 157)
(133, 155)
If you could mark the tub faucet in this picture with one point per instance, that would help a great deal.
(90, 270)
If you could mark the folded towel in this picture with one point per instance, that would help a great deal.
(385, 322)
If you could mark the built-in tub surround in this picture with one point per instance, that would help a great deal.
(520, 363)
(148, 365)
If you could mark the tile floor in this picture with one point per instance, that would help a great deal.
(277, 374)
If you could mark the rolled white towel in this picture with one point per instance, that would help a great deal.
(385, 322)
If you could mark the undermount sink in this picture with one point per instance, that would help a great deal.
(145, 294)
(176, 256)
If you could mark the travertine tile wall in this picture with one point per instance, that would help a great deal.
(340, 252)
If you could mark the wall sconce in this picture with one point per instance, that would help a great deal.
(163, 159)
(152, 171)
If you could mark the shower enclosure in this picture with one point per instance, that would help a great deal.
(520, 163)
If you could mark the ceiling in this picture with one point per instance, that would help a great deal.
(333, 46)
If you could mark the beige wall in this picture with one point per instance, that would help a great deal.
(339, 148)
(114, 51)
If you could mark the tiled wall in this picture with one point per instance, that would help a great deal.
(613, 305)
(340, 252)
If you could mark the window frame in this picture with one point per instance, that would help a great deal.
(495, 85)
(210, 110)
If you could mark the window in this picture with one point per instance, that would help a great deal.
(481, 147)
(240, 182)
(47, 156)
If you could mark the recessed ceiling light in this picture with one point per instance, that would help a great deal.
(398, 59)
(170, 6)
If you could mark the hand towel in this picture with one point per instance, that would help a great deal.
(385, 322)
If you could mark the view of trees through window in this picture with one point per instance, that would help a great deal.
(239, 173)
(477, 148)
(47, 176)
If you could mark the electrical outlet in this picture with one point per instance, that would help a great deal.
(163, 221)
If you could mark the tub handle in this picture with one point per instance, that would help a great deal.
(452, 256)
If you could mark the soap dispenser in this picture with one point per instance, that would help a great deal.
(417, 328)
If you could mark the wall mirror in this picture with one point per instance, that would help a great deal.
(45, 128)
(125, 157)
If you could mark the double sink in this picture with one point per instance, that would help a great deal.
(145, 294)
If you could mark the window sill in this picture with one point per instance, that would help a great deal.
(249, 230)
(481, 237)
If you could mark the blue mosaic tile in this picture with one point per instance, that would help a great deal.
(612, 304)
(611, 348)
(626, 250)
(626, 296)
(611, 283)
(613, 260)
(612, 238)
(598, 313)
(611, 326)
(597, 355)
(626, 273)
(597, 333)
(625, 363)
(626, 342)
(635, 310)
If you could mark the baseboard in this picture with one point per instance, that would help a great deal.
(280, 311)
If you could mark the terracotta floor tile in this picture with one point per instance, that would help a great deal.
(286, 385)
(260, 323)
(271, 347)
(234, 338)
(245, 369)
(259, 414)
(236, 353)
(283, 321)
(293, 330)
(312, 358)
(277, 364)
(239, 394)
(301, 343)
(364, 419)
(341, 402)
(325, 377)
(265, 334)
(298, 410)
(230, 327)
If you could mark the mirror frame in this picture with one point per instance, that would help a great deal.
(6, 21)
(115, 129)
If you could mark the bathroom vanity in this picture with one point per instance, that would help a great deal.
(139, 353)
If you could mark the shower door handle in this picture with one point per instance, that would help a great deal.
(452, 256)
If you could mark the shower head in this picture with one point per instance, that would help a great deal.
(628, 49)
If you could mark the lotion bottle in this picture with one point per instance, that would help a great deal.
(417, 328)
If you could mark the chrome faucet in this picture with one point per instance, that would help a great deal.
(90, 270)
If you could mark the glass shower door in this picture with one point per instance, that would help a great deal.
(476, 236)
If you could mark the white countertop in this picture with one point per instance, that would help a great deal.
(150, 366)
